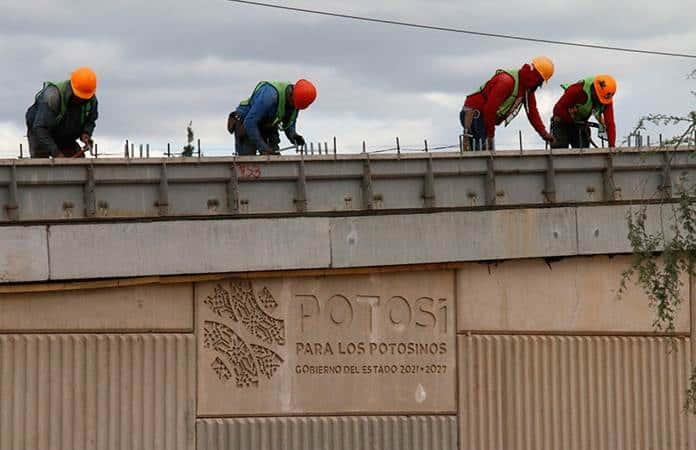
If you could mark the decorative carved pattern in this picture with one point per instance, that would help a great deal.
(267, 360)
(246, 362)
(225, 341)
(222, 371)
(266, 300)
(221, 304)
(267, 328)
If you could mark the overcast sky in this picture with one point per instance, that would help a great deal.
(163, 63)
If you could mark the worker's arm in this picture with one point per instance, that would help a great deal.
(572, 97)
(535, 118)
(91, 121)
(292, 135)
(497, 89)
(265, 101)
(610, 124)
(46, 119)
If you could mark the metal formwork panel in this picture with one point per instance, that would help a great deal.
(97, 392)
(171, 187)
(574, 393)
(329, 433)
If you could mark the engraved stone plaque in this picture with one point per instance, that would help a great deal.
(382, 343)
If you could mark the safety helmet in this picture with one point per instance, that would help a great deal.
(84, 83)
(544, 66)
(303, 94)
(605, 87)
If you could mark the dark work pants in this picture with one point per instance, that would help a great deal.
(477, 141)
(570, 134)
(246, 147)
(68, 149)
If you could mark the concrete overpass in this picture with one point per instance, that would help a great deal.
(430, 301)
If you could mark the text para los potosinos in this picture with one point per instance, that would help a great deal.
(370, 348)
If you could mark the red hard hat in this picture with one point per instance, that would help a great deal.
(304, 93)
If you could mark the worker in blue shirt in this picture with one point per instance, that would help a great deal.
(272, 106)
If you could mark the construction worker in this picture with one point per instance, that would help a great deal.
(63, 112)
(272, 106)
(593, 96)
(500, 100)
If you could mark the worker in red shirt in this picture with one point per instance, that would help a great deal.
(501, 99)
(593, 96)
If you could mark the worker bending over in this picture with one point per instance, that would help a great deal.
(272, 106)
(593, 96)
(500, 100)
(62, 113)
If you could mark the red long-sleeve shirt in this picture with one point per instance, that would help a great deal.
(575, 95)
(498, 89)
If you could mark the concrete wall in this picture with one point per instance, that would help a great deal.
(533, 354)
(111, 250)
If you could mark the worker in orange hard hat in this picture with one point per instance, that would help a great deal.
(501, 99)
(593, 96)
(272, 106)
(63, 112)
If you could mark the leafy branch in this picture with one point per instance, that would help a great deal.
(662, 259)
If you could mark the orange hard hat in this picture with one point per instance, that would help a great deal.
(84, 83)
(303, 94)
(605, 87)
(544, 66)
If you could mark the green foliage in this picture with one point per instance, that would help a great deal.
(690, 405)
(688, 121)
(662, 258)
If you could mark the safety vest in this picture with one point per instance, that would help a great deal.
(65, 93)
(512, 105)
(589, 108)
(282, 89)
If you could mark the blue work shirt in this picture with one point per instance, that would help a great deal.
(261, 112)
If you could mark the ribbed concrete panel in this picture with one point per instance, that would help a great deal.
(329, 433)
(65, 392)
(573, 393)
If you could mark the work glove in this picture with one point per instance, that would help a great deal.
(299, 140)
